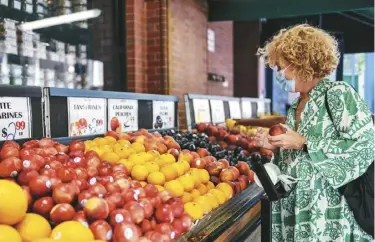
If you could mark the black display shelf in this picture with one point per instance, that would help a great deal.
(68, 33)
(45, 64)
(214, 224)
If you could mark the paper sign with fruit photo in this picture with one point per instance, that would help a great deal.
(123, 115)
(163, 114)
(86, 116)
(217, 111)
(201, 111)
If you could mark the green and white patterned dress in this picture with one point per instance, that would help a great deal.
(315, 211)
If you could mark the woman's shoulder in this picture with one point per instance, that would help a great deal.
(339, 85)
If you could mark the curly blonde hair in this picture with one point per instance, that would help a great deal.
(312, 52)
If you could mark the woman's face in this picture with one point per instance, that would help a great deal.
(289, 75)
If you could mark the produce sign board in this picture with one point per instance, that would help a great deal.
(235, 109)
(122, 115)
(261, 107)
(201, 111)
(15, 118)
(246, 109)
(86, 116)
(217, 111)
(163, 114)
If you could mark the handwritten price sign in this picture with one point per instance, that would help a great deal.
(14, 118)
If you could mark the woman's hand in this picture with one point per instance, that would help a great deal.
(289, 140)
(261, 139)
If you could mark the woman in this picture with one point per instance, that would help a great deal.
(323, 154)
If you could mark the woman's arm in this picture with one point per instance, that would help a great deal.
(345, 158)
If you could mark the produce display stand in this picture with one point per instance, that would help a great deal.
(65, 108)
(253, 107)
(21, 113)
(210, 109)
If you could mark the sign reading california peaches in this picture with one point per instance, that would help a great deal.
(123, 115)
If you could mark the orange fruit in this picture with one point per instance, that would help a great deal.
(72, 231)
(160, 188)
(179, 168)
(13, 203)
(143, 183)
(204, 176)
(169, 172)
(195, 193)
(196, 174)
(187, 197)
(154, 153)
(110, 139)
(156, 178)
(138, 147)
(8, 233)
(139, 172)
(100, 141)
(202, 189)
(147, 156)
(195, 210)
(33, 227)
(111, 157)
(124, 152)
(218, 194)
(175, 188)
(152, 166)
(168, 158)
(187, 182)
(226, 189)
(204, 202)
(210, 185)
(51, 240)
(213, 200)
(129, 164)
(123, 142)
(137, 159)
(185, 164)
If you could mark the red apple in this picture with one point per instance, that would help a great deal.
(96, 208)
(146, 226)
(243, 167)
(177, 206)
(202, 152)
(63, 193)
(224, 162)
(201, 127)
(46, 142)
(277, 130)
(236, 172)
(10, 167)
(147, 207)
(244, 182)
(174, 152)
(198, 163)
(126, 232)
(227, 175)
(101, 230)
(151, 190)
(26, 153)
(43, 206)
(25, 177)
(164, 213)
(62, 212)
(118, 216)
(81, 217)
(77, 145)
(137, 212)
(40, 186)
(214, 169)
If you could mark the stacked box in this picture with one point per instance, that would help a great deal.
(17, 4)
(26, 43)
(8, 36)
(27, 6)
(41, 8)
(16, 74)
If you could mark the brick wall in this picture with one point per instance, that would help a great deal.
(221, 60)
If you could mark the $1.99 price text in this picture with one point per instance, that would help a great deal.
(13, 130)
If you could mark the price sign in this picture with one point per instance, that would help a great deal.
(235, 109)
(246, 109)
(86, 116)
(261, 107)
(15, 118)
(217, 111)
(201, 111)
(163, 114)
(122, 115)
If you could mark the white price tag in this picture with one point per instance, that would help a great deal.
(86, 116)
(163, 114)
(235, 109)
(217, 111)
(246, 109)
(15, 118)
(122, 115)
(261, 107)
(201, 111)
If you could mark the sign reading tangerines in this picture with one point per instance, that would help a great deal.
(15, 118)
(122, 115)
(87, 116)
(201, 111)
(235, 109)
(163, 114)
(217, 111)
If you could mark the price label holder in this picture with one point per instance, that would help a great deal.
(217, 111)
(201, 111)
(261, 107)
(235, 109)
(246, 109)
(15, 118)
(86, 116)
(20, 113)
(122, 115)
(163, 114)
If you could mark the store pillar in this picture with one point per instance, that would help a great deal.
(246, 40)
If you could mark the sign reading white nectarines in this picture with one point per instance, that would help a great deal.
(163, 114)
(86, 116)
(235, 109)
(201, 111)
(122, 115)
(217, 111)
(15, 118)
